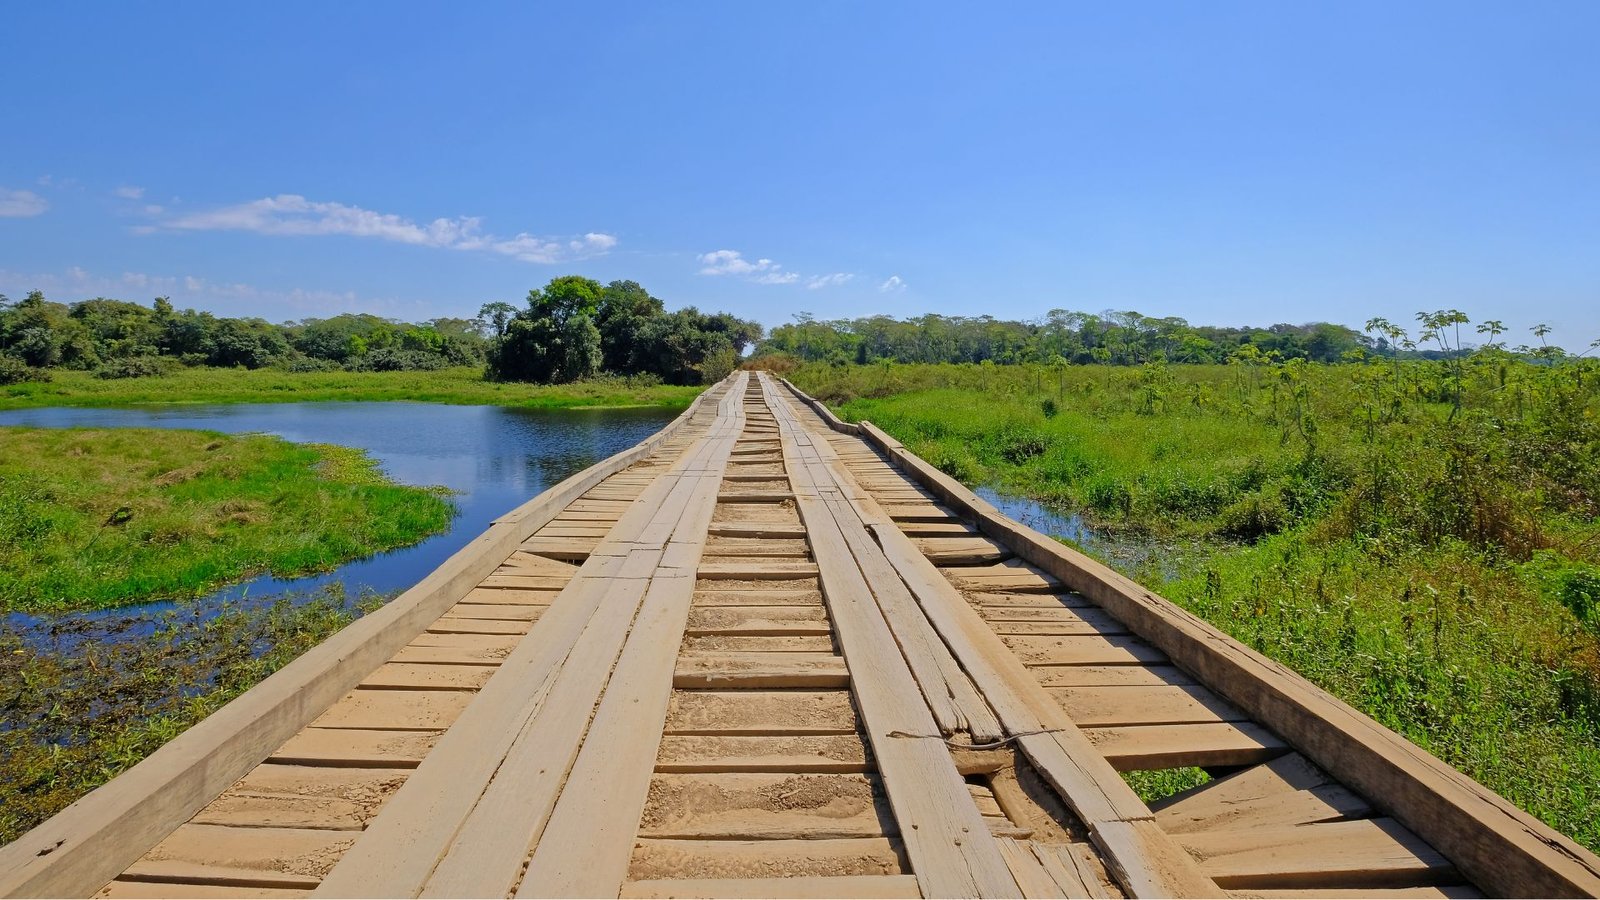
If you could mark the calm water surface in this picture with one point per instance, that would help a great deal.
(493, 458)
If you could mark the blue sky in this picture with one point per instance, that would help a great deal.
(1228, 163)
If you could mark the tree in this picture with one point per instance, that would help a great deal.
(497, 314)
(555, 339)
(624, 311)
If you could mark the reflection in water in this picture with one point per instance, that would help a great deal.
(493, 458)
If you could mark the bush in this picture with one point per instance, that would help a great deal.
(133, 367)
(305, 364)
(15, 371)
(1254, 516)
(391, 360)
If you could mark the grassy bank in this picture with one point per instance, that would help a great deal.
(460, 385)
(80, 712)
(1421, 539)
(96, 518)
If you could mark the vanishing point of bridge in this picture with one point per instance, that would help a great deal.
(769, 654)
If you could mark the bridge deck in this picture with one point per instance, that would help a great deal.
(779, 656)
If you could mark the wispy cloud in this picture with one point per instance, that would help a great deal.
(763, 271)
(894, 285)
(732, 262)
(19, 204)
(818, 282)
(292, 214)
(129, 192)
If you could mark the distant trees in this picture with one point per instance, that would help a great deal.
(104, 335)
(574, 327)
(1117, 337)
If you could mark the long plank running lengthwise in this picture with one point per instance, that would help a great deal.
(770, 654)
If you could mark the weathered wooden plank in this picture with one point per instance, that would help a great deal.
(291, 796)
(355, 747)
(760, 712)
(867, 887)
(1364, 853)
(655, 859)
(761, 753)
(1032, 879)
(761, 670)
(1139, 747)
(1101, 707)
(765, 806)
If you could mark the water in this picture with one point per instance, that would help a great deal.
(1134, 554)
(493, 458)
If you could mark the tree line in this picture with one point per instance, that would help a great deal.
(572, 328)
(1112, 337)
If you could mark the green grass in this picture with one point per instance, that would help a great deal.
(459, 385)
(1437, 568)
(102, 517)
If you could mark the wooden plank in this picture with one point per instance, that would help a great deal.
(1109, 676)
(748, 571)
(1102, 707)
(355, 747)
(1143, 747)
(653, 859)
(1032, 879)
(1098, 650)
(179, 890)
(866, 887)
(395, 710)
(1375, 853)
(280, 857)
(424, 676)
(761, 670)
(1070, 868)
(288, 796)
(761, 753)
(764, 806)
(760, 712)
(1286, 791)
(757, 597)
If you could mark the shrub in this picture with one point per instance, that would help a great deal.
(15, 371)
(133, 367)
(305, 364)
(391, 360)
(1254, 516)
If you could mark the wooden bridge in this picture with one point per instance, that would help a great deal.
(766, 653)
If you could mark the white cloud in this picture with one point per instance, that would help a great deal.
(894, 285)
(762, 270)
(21, 204)
(129, 192)
(818, 282)
(732, 262)
(292, 214)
